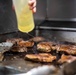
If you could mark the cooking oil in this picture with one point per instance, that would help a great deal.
(24, 15)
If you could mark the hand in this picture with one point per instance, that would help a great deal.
(32, 5)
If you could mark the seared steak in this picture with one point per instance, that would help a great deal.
(66, 59)
(45, 46)
(26, 43)
(41, 57)
(69, 49)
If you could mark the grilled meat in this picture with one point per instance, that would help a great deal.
(26, 43)
(37, 39)
(55, 46)
(18, 49)
(21, 42)
(66, 59)
(69, 49)
(45, 46)
(41, 57)
(63, 47)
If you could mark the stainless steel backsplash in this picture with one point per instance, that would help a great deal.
(56, 10)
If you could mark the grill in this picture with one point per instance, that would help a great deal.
(16, 60)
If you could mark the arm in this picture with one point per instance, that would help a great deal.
(32, 5)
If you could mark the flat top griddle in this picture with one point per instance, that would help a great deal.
(17, 61)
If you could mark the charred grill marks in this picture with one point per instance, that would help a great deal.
(41, 57)
(66, 59)
(69, 49)
(46, 46)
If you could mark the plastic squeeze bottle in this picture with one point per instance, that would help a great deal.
(24, 16)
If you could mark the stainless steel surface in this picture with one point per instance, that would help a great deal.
(5, 70)
(23, 67)
(62, 19)
(56, 10)
(58, 28)
(58, 35)
(19, 64)
(61, 10)
(41, 70)
(25, 36)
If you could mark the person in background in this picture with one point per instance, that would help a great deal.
(8, 21)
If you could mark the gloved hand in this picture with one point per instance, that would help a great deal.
(32, 5)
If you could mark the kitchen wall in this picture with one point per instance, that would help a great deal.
(61, 19)
(57, 10)
(62, 10)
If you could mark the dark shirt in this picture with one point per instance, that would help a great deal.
(8, 22)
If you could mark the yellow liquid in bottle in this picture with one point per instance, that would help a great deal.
(24, 16)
